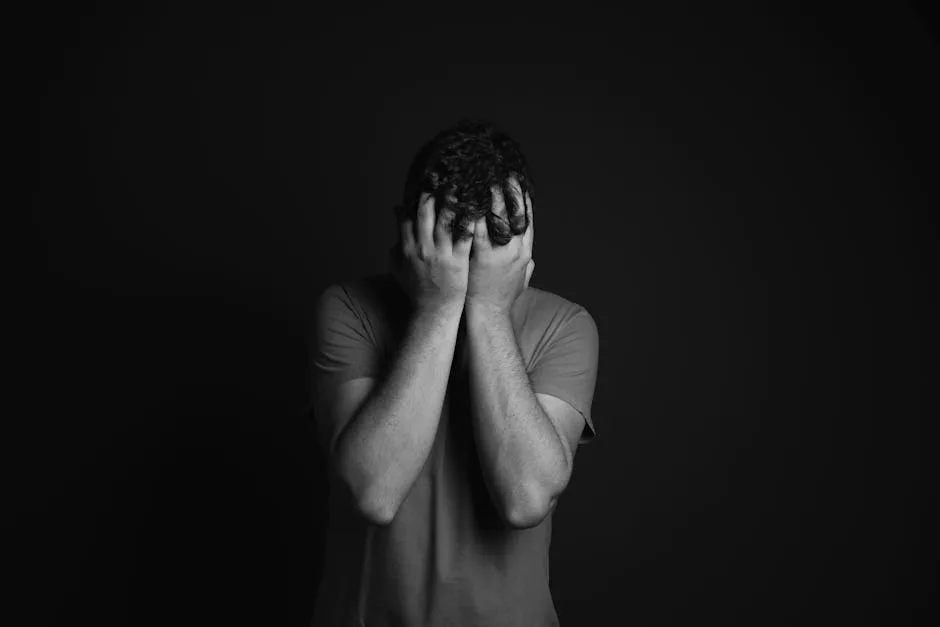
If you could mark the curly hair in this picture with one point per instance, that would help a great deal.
(459, 167)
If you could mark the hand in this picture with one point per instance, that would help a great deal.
(499, 274)
(433, 269)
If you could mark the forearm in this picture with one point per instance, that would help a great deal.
(521, 454)
(386, 443)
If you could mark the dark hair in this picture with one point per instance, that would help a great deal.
(459, 167)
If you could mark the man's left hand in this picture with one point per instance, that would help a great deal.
(498, 274)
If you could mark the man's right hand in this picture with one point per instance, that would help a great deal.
(433, 268)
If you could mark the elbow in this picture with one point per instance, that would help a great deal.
(529, 507)
(529, 512)
(378, 514)
(375, 507)
(374, 503)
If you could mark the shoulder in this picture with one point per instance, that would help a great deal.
(545, 322)
(374, 302)
(545, 308)
(367, 294)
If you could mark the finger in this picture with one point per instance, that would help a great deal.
(528, 238)
(481, 235)
(530, 207)
(462, 246)
(407, 231)
(443, 233)
(425, 239)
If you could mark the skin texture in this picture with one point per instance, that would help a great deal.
(498, 274)
(434, 269)
(526, 452)
(389, 426)
(462, 293)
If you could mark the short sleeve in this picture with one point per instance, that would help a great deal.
(340, 345)
(567, 369)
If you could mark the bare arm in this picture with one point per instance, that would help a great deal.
(525, 459)
(526, 463)
(384, 446)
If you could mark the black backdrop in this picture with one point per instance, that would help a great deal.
(739, 198)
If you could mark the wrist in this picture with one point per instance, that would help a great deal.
(486, 311)
(451, 308)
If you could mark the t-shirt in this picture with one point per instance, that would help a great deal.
(447, 558)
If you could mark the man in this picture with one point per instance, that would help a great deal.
(450, 398)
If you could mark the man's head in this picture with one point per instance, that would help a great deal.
(476, 170)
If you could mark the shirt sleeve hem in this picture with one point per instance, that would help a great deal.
(589, 433)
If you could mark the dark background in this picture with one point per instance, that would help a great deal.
(738, 196)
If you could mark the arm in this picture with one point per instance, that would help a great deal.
(383, 447)
(526, 461)
(526, 441)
